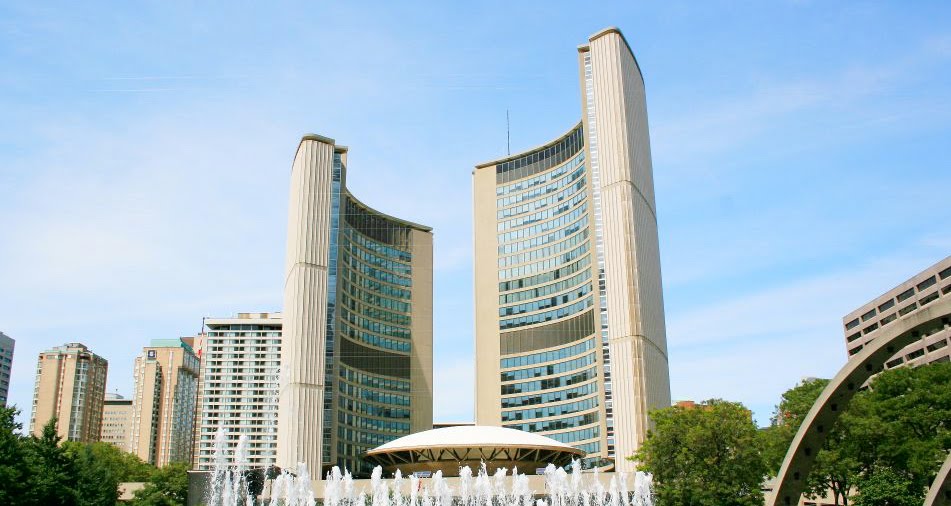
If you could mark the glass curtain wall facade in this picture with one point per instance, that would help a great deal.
(570, 338)
(367, 315)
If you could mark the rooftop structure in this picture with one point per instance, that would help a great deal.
(451, 448)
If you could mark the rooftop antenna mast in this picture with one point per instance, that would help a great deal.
(508, 133)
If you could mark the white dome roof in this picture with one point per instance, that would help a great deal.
(473, 436)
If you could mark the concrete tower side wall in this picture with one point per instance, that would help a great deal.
(632, 259)
(421, 357)
(305, 308)
(486, 285)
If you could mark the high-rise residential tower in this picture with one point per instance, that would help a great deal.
(6, 364)
(163, 414)
(569, 312)
(356, 364)
(116, 421)
(240, 359)
(873, 318)
(70, 386)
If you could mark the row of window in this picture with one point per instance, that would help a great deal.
(545, 277)
(375, 286)
(543, 227)
(547, 397)
(373, 339)
(362, 408)
(542, 291)
(534, 242)
(540, 203)
(369, 380)
(376, 260)
(541, 179)
(544, 214)
(924, 301)
(576, 435)
(544, 412)
(373, 272)
(359, 422)
(548, 356)
(901, 297)
(367, 439)
(549, 383)
(544, 265)
(372, 326)
(589, 448)
(383, 249)
(550, 302)
(558, 424)
(375, 298)
(373, 312)
(554, 314)
(548, 370)
(373, 395)
(558, 247)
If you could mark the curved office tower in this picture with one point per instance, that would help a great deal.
(570, 337)
(356, 352)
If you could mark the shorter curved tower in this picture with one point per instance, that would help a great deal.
(356, 354)
(569, 311)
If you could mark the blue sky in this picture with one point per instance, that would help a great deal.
(801, 156)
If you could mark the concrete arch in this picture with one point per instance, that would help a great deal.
(801, 455)
(940, 492)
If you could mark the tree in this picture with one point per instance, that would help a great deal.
(13, 468)
(52, 475)
(709, 454)
(167, 487)
(787, 417)
(835, 468)
(123, 465)
(887, 487)
(910, 410)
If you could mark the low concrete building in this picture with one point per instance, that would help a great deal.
(867, 322)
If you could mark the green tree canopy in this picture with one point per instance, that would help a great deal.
(167, 487)
(705, 455)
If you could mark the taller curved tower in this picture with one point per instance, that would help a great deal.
(570, 334)
(356, 351)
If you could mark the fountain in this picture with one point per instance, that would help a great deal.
(234, 485)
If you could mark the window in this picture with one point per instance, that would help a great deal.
(927, 283)
(915, 354)
(906, 294)
(928, 298)
(888, 319)
(852, 324)
(944, 274)
(855, 350)
(853, 337)
(886, 306)
(869, 315)
(894, 363)
(938, 345)
(870, 328)
(907, 309)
